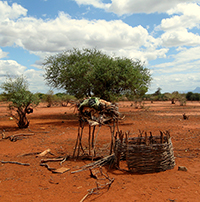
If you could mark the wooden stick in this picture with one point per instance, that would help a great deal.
(94, 127)
(99, 186)
(44, 153)
(80, 139)
(161, 137)
(51, 160)
(15, 162)
(95, 164)
(96, 140)
(28, 154)
(47, 166)
(89, 141)
(14, 137)
(77, 139)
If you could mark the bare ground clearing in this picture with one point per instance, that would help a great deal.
(56, 128)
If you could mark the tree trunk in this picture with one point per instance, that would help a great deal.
(23, 121)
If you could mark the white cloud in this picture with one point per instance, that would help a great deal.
(46, 37)
(36, 81)
(175, 82)
(182, 74)
(35, 77)
(188, 16)
(121, 7)
(180, 37)
(95, 3)
(186, 59)
(11, 66)
(3, 54)
(177, 28)
(11, 12)
(39, 36)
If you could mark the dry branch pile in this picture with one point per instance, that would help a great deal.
(97, 110)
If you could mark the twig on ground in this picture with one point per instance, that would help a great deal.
(47, 166)
(99, 186)
(15, 137)
(44, 153)
(15, 162)
(29, 154)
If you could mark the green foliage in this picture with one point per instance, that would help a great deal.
(57, 99)
(3, 97)
(90, 72)
(193, 96)
(40, 95)
(49, 98)
(62, 97)
(16, 91)
(158, 92)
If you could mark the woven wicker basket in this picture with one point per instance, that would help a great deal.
(147, 155)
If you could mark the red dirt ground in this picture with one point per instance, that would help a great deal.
(56, 128)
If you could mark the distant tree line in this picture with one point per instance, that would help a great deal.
(174, 96)
(193, 96)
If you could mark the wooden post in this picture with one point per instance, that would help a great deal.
(161, 137)
(77, 139)
(146, 140)
(112, 130)
(80, 139)
(93, 136)
(89, 139)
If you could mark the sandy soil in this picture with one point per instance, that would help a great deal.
(56, 128)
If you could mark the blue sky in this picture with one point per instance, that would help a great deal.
(164, 34)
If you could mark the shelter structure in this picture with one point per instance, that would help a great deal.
(95, 112)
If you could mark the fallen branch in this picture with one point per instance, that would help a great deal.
(47, 166)
(44, 153)
(29, 154)
(39, 131)
(15, 162)
(52, 160)
(99, 163)
(55, 170)
(14, 138)
(99, 186)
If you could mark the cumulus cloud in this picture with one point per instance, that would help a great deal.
(63, 32)
(11, 12)
(184, 60)
(3, 54)
(35, 78)
(187, 16)
(95, 3)
(11, 67)
(121, 7)
(114, 37)
(175, 82)
(181, 74)
(180, 37)
(178, 28)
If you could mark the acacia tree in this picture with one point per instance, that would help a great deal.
(89, 72)
(22, 100)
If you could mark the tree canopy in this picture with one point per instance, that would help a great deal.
(89, 72)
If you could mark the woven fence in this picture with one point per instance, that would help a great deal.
(145, 154)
